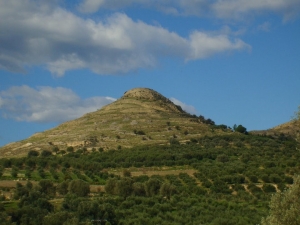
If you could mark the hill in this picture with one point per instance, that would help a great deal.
(140, 117)
(291, 129)
(143, 160)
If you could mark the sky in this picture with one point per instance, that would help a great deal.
(233, 61)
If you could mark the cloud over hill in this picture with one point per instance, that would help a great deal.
(47, 104)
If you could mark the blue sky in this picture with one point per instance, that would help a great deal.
(234, 61)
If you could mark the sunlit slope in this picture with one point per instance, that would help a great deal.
(140, 117)
(290, 129)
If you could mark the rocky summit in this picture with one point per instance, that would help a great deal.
(141, 116)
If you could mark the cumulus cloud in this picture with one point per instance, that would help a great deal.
(45, 34)
(47, 104)
(216, 8)
(188, 108)
(213, 44)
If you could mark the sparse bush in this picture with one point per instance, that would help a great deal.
(139, 132)
(55, 149)
(62, 152)
(288, 180)
(33, 153)
(268, 188)
(174, 141)
(194, 140)
(46, 153)
(70, 149)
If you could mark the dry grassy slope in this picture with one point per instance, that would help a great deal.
(112, 126)
(291, 128)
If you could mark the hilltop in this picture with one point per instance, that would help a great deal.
(141, 116)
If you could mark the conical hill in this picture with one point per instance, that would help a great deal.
(140, 117)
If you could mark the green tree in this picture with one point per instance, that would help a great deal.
(138, 189)
(79, 187)
(47, 187)
(285, 206)
(110, 186)
(152, 187)
(62, 188)
(167, 190)
(124, 187)
(241, 129)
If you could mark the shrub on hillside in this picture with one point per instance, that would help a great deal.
(285, 206)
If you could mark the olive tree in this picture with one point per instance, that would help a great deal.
(285, 206)
(79, 187)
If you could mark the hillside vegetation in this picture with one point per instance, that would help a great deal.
(225, 179)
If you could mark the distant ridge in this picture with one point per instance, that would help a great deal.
(289, 129)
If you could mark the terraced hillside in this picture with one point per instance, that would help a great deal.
(140, 117)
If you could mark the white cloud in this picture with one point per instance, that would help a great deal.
(188, 108)
(205, 45)
(234, 9)
(47, 104)
(39, 34)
